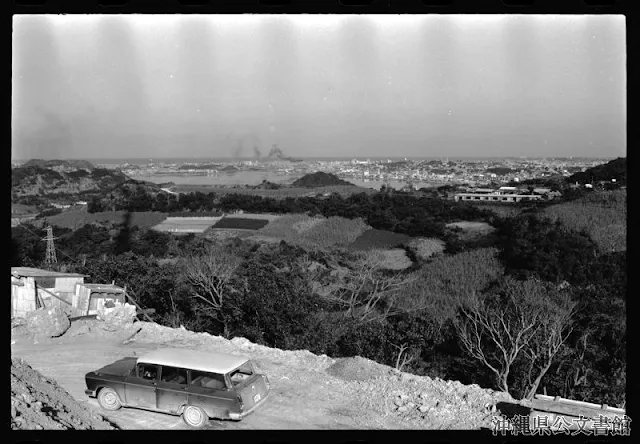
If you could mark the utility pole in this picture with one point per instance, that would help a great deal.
(50, 257)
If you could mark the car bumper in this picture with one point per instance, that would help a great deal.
(91, 393)
(239, 416)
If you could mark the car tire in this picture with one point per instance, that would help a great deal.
(109, 399)
(194, 416)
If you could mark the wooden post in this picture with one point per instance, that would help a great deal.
(39, 299)
(136, 304)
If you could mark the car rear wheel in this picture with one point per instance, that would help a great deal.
(109, 399)
(194, 416)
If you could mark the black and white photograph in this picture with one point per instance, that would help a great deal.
(319, 221)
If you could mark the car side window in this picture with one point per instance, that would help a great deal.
(173, 375)
(208, 380)
(148, 371)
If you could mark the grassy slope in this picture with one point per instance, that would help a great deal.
(603, 215)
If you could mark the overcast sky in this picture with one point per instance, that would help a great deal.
(124, 86)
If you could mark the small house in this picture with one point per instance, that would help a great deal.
(33, 288)
(88, 299)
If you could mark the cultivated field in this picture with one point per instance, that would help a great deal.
(378, 239)
(603, 215)
(186, 224)
(320, 232)
(79, 217)
(240, 223)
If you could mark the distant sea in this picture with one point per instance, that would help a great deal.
(146, 160)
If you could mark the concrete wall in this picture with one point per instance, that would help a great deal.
(23, 294)
(23, 299)
(67, 284)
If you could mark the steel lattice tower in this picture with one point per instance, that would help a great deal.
(50, 258)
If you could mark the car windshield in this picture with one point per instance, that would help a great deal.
(241, 373)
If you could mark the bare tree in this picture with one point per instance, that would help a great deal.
(555, 328)
(363, 288)
(209, 275)
(528, 319)
(403, 358)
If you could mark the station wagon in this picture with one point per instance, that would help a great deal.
(194, 384)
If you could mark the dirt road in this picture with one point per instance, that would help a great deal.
(306, 402)
(307, 391)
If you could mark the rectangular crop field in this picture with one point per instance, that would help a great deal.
(186, 224)
(381, 239)
(241, 223)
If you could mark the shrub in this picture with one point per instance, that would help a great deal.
(533, 245)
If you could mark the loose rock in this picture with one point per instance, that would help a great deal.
(117, 317)
(47, 322)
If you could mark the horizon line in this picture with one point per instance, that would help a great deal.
(320, 157)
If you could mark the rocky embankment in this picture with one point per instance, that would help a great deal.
(39, 403)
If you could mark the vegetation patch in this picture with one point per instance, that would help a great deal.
(393, 259)
(241, 223)
(501, 210)
(307, 224)
(446, 280)
(195, 214)
(319, 232)
(602, 215)
(262, 216)
(472, 230)
(379, 239)
(281, 193)
(424, 248)
(77, 218)
(319, 179)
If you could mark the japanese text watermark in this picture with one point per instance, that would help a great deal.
(527, 425)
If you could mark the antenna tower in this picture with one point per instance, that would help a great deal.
(50, 257)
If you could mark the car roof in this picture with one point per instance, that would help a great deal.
(193, 359)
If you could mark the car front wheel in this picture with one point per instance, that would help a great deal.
(109, 399)
(194, 416)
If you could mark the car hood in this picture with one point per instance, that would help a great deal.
(121, 367)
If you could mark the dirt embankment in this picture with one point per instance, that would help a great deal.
(307, 391)
(39, 403)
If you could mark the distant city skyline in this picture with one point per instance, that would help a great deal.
(462, 86)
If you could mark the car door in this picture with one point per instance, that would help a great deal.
(141, 386)
(210, 391)
(172, 389)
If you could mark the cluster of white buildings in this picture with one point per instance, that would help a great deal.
(506, 194)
